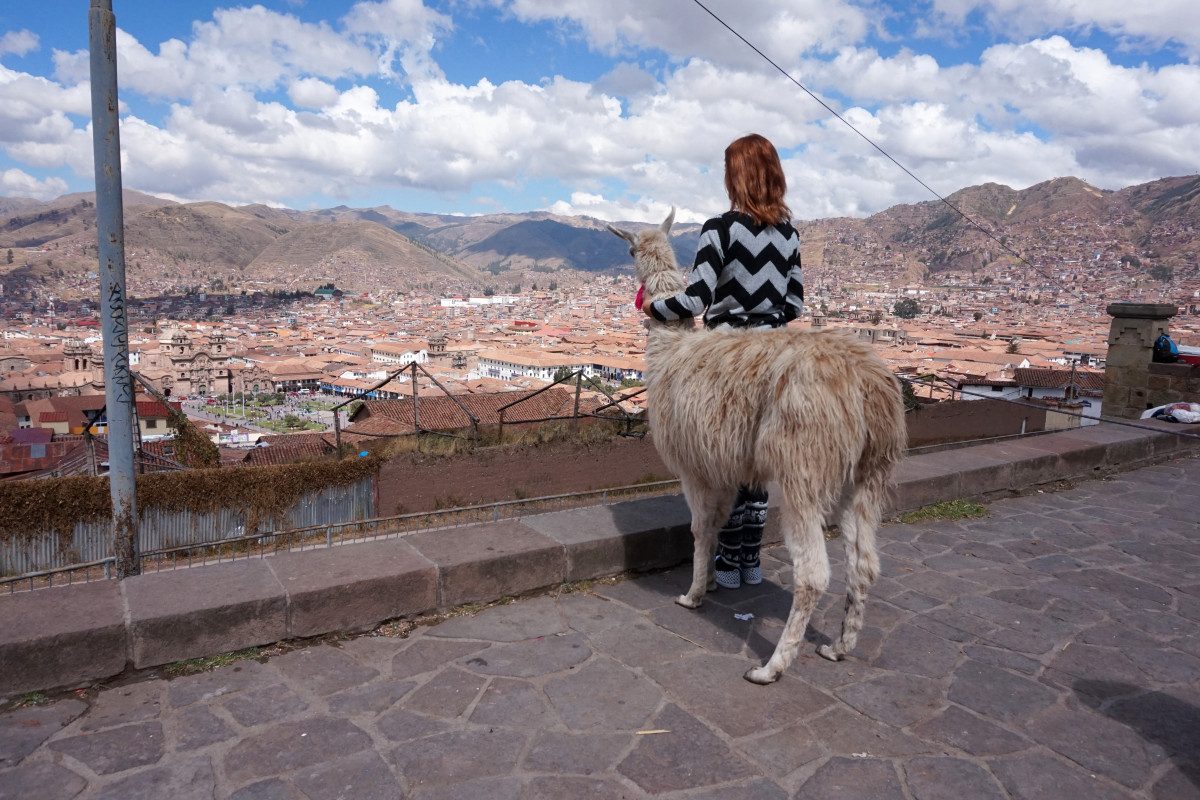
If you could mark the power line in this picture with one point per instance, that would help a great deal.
(871, 142)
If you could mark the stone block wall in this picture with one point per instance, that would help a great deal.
(1173, 383)
(1135, 326)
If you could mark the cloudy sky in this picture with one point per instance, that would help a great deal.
(613, 108)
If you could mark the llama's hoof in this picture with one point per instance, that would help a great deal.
(687, 602)
(712, 586)
(825, 651)
(761, 675)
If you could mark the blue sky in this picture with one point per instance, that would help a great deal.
(616, 109)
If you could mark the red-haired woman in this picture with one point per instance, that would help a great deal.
(747, 275)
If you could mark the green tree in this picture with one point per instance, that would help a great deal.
(553, 286)
(978, 315)
(906, 308)
(1012, 348)
(8, 256)
(1158, 272)
(876, 317)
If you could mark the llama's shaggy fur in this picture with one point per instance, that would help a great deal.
(816, 412)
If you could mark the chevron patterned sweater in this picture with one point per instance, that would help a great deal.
(745, 275)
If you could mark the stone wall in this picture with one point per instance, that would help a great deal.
(1131, 337)
(962, 420)
(1173, 383)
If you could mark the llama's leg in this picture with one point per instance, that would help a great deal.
(708, 509)
(858, 523)
(810, 578)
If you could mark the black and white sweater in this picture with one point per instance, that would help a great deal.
(746, 275)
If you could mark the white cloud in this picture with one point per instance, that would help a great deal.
(1148, 21)
(626, 79)
(18, 42)
(409, 31)
(637, 210)
(259, 49)
(312, 93)
(266, 108)
(783, 29)
(14, 182)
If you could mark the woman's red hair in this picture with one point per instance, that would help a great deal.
(754, 180)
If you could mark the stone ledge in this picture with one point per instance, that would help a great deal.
(1177, 370)
(200, 611)
(61, 637)
(1142, 310)
(485, 562)
(354, 587)
(81, 634)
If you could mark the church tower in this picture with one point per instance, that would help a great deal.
(77, 356)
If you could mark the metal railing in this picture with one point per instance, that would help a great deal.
(326, 535)
(89, 544)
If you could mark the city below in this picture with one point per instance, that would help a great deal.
(269, 346)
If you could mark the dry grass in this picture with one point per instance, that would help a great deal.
(945, 511)
(193, 666)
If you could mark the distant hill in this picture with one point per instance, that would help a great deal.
(174, 246)
(1056, 220)
(171, 247)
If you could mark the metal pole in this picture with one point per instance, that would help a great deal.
(416, 419)
(578, 390)
(110, 239)
(337, 432)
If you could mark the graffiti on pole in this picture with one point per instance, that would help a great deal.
(120, 331)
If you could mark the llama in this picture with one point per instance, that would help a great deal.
(817, 412)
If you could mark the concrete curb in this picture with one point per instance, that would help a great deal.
(75, 635)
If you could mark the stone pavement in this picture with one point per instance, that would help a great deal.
(1049, 650)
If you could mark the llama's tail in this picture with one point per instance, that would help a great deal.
(886, 439)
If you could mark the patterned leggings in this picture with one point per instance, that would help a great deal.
(739, 541)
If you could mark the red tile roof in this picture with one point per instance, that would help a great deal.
(1058, 378)
(153, 409)
(287, 454)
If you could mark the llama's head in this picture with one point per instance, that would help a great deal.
(654, 259)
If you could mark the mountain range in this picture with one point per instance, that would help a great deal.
(172, 247)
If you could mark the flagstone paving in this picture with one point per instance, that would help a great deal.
(1049, 650)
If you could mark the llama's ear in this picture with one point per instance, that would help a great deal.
(666, 226)
(626, 235)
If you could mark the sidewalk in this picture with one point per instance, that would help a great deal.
(1050, 650)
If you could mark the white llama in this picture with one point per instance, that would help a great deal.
(816, 412)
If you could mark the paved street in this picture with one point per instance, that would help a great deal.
(1049, 650)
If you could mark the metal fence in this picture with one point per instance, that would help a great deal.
(91, 542)
(329, 534)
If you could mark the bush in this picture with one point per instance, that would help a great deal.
(906, 308)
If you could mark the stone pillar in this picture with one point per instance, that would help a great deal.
(1131, 337)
